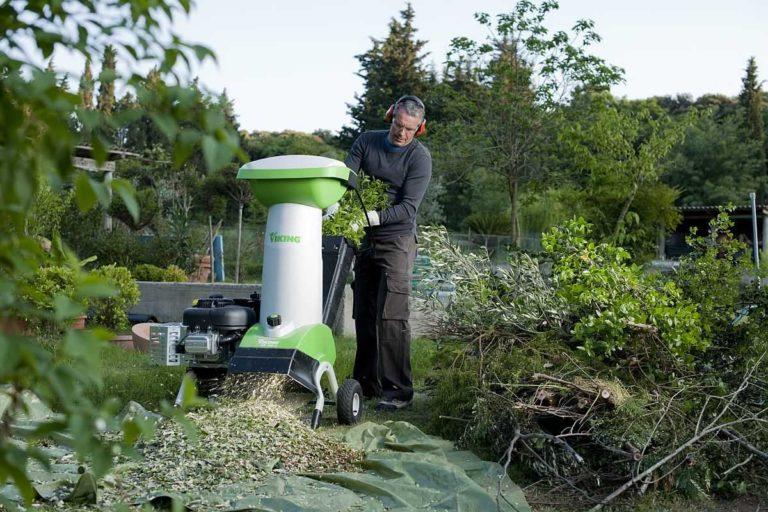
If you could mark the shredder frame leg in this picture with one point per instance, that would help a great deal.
(323, 368)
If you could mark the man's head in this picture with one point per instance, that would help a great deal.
(408, 118)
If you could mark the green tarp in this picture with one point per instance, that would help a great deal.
(403, 469)
(406, 469)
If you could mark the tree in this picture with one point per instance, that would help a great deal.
(392, 68)
(717, 164)
(241, 193)
(227, 107)
(615, 153)
(38, 147)
(106, 100)
(524, 73)
(751, 100)
(86, 86)
(266, 144)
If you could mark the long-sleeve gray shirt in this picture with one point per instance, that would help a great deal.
(407, 170)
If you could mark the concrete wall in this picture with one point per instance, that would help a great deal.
(167, 301)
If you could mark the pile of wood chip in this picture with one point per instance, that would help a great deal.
(238, 441)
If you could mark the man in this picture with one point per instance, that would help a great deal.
(384, 263)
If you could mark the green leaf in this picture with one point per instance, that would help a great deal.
(216, 154)
(166, 124)
(85, 195)
(94, 286)
(131, 432)
(127, 193)
(85, 490)
(83, 345)
(65, 308)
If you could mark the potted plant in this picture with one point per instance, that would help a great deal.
(112, 312)
(41, 290)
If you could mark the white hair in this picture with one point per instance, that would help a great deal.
(411, 107)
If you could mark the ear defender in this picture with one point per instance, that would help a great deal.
(390, 113)
(421, 130)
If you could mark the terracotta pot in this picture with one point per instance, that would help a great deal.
(124, 341)
(140, 333)
(202, 272)
(79, 322)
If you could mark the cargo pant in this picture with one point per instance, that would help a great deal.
(381, 310)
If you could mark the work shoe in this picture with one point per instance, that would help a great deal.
(393, 404)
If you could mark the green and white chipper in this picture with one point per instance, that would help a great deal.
(282, 330)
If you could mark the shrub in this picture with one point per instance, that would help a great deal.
(612, 302)
(147, 272)
(47, 286)
(48, 282)
(489, 223)
(112, 312)
(627, 383)
(48, 210)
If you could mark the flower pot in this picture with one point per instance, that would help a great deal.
(123, 341)
(79, 322)
(140, 333)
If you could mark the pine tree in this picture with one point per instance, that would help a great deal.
(751, 100)
(392, 68)
(227, 107)
(106, 101)
(86, 86)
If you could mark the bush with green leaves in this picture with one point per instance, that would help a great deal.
(612, 302)
(47, 290)
(112, 312)
(712, 274)
(645, 377)
(170, 274)
(83, 232)
(38, 144)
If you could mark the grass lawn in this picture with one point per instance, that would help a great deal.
(129, 375)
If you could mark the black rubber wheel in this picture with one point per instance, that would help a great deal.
(349, 402)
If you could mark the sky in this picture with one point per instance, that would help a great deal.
(290, 64)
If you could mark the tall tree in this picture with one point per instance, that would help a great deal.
(751, 100)
(106, 101)
(86, 86)
(525, 73)
(227, 107)
(392, 68)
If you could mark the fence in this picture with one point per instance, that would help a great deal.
(252, 247)
(496, 245)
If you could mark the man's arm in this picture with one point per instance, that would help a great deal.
(414, 188)
(354, 157)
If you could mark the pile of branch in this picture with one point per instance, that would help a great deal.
(723, 421)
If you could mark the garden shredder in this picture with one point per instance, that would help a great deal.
(289, 336)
